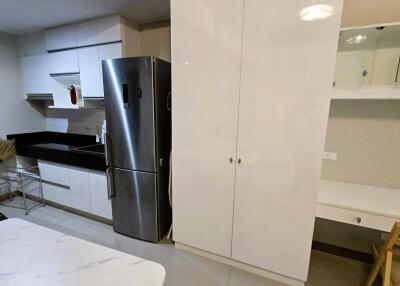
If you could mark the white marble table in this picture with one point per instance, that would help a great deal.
(34, 255)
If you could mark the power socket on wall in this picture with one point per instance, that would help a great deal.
(330, 156)
(384, 236)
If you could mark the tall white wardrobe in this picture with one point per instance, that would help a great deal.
(251, 87)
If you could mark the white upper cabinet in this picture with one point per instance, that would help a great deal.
(109, 30)
(93, 32)
(250, 102)
(110, 51)
(285, 92)
(90, 72)
(206, 55)
(86, 33)
(35, 75)
(60, 38)
(64, 62)
(80, 190)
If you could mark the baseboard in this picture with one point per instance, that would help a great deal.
(62, 207)
(6, 196)
(240, 265)
(343, 252)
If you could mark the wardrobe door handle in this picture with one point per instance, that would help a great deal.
(231, 160)
(239, 161)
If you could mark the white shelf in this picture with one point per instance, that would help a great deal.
(373, 92)
(61, 95)
(364, 198)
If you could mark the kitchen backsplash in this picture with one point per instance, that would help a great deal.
(82, 121)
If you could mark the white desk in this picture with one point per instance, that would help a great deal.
(34, 255)
(363, 205)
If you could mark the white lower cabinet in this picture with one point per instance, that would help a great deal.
(101, 205)
(57, 194)
(250, 104)
(63, 62)
(80, 189)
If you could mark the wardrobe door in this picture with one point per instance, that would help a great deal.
(206, 56)
(287, 74)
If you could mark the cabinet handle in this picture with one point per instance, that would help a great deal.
(231, 160)
(358, 220)
(110, 186)
(239, 161)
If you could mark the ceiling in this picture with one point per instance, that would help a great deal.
(19, 16)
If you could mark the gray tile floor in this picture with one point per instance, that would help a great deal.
(184, 268)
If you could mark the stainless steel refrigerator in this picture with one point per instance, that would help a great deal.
(138, 145)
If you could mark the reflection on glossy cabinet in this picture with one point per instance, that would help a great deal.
(100, 203)
(206, 40)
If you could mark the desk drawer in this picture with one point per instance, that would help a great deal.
(359, 218)
(54, 173)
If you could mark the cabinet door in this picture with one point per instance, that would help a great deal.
(80, 192)
(110, 51)
(101, 205)
(206, 54)
(60, 38)
(108, 30)
(56, 194)
(54, 173)
(86, 33)
(90, 72)
(286, 85)
(35, 75)
(63, 62)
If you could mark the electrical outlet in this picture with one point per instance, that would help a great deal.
(330, 156)
(384, 236)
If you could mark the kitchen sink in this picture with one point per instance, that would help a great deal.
(98, 148)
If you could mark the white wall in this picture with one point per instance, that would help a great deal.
(16, 115)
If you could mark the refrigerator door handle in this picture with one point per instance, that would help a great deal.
(169, 101)
(107, 145)
(110, 191)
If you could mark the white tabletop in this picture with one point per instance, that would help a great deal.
(370, 199)
(34, 255)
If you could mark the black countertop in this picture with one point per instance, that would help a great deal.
(61, 148)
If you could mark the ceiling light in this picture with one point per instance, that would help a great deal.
(316, 12)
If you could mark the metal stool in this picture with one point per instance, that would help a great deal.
(22, 177)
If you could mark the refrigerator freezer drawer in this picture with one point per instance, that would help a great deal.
(134, 203)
